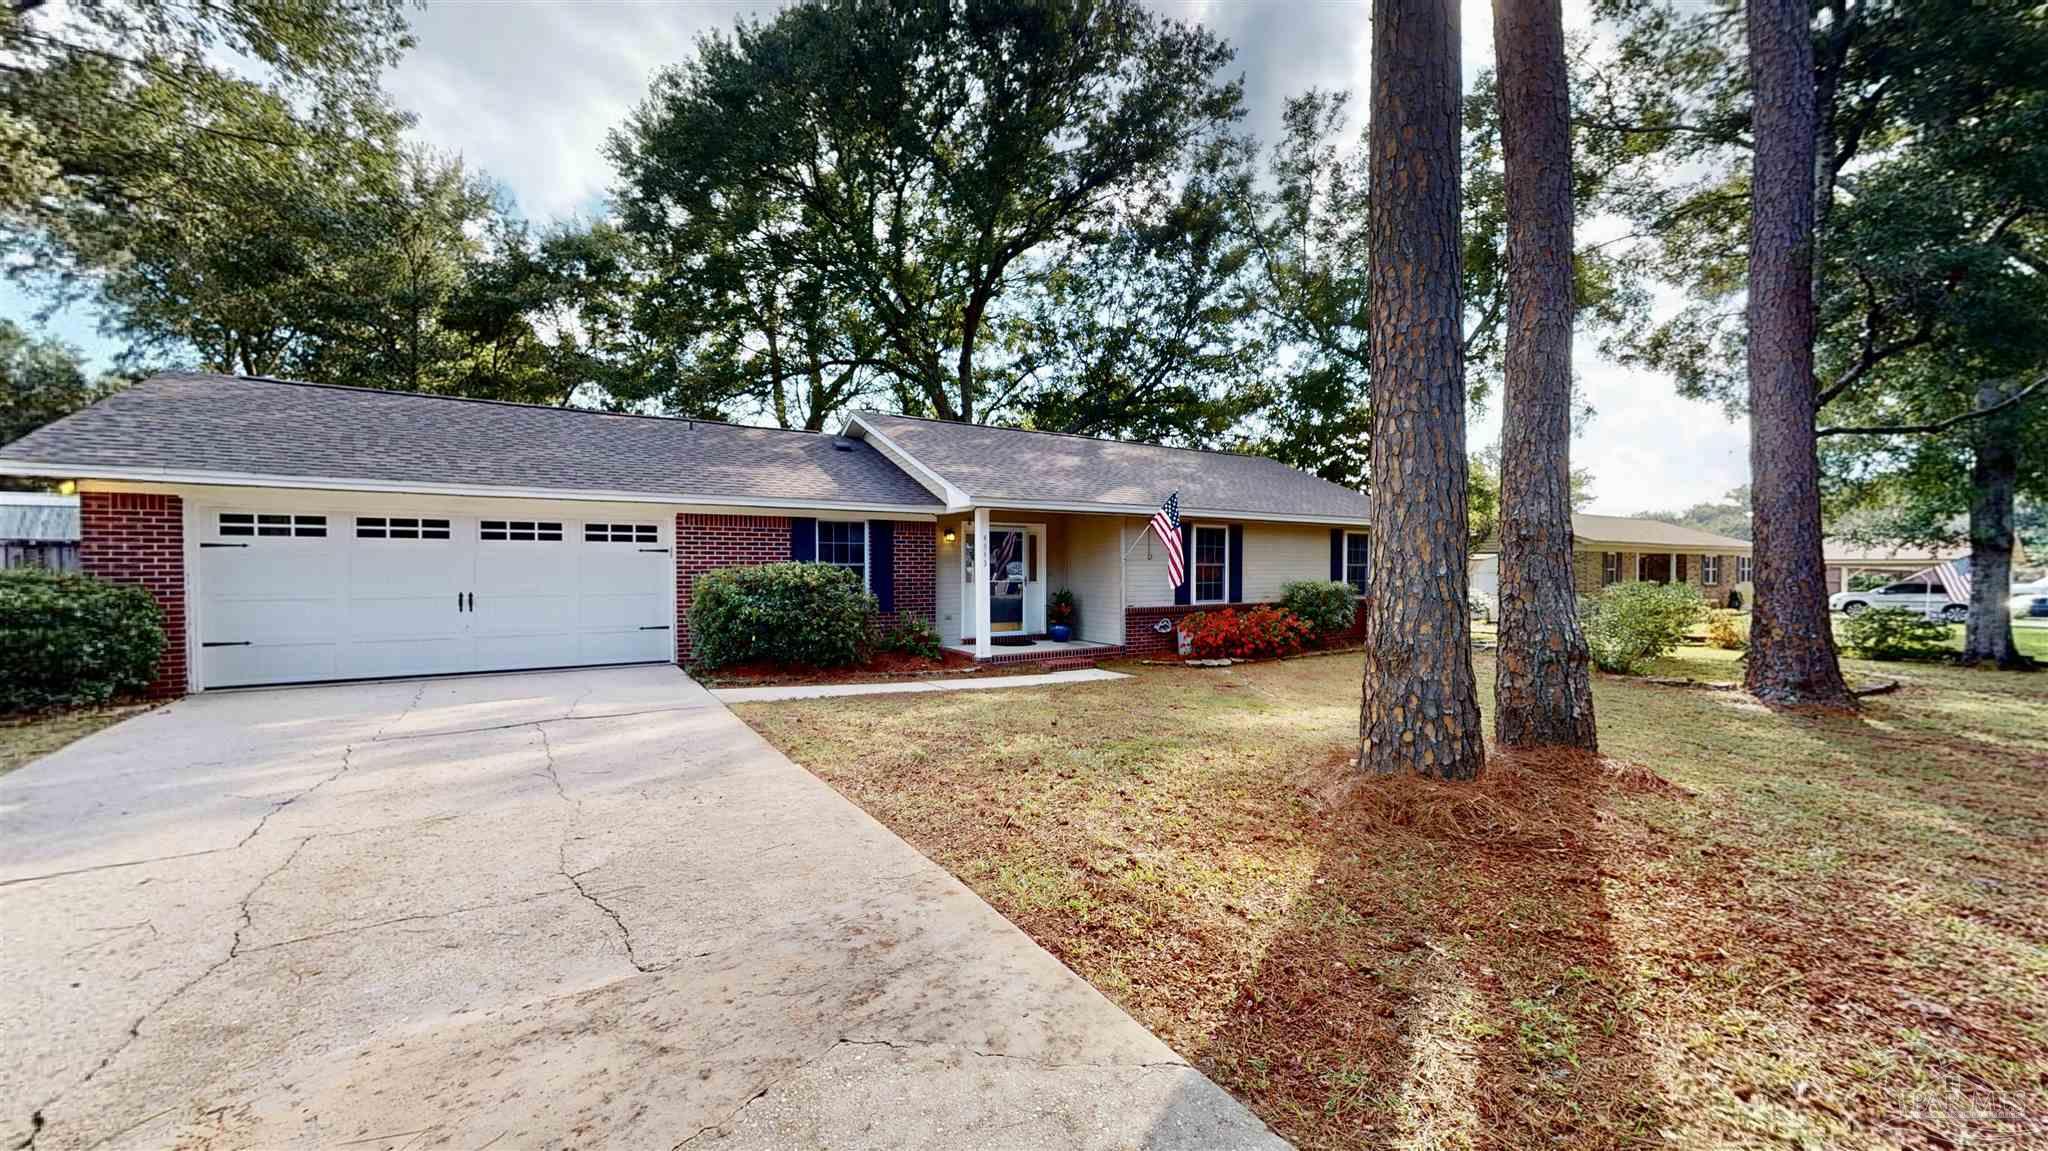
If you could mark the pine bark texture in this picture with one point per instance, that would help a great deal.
(1994, 478)
(1421, 709)
(1542, 689)
(1792, 643)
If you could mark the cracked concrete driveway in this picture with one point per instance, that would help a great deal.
(586, 908)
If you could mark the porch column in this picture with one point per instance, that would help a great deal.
(1671, 573)
(982, 647)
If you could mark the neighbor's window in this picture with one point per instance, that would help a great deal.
(1744, 566)
(844, 544)
(1610, 568)
(1710, 570)
(1357, 560)
(1212, 559)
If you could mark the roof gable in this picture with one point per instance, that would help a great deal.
(1017, 467)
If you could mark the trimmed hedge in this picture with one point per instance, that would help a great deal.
(1326, 606)
(1894, 633)
(1628, 625)
(810, 615)
(74, 641)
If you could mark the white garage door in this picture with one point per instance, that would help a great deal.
(293, 597)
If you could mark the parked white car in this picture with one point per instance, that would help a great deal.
(1913, 595)
(2030, 600)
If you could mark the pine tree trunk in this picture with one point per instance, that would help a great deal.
(1994, 477)
(1542, 691)
(1792, 643)
(1421, 709)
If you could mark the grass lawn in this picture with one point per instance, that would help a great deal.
(1745, 928)
(26, 739)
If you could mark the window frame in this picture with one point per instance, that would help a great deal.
(1610, 568)
(1745, 569)
(866, 555)
(1194, 565)
(1710, 570)
(1356, 590)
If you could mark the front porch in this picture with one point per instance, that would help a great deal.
(1012, 649)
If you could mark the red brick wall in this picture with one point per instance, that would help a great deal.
(131, 538)
(707, 542)
(916, 569)
(1141, 640)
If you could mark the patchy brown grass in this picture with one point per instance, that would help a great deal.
(1739, 927)
(27, 738)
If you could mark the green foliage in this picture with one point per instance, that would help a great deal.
(1328, 607)
(806, 615)
(74, 641)
(1629, 625)
(912, 635)
(1061, 607)
(40, 381)
(845, 185)
(1727, 629)
(1894, 633)
(1727, 516)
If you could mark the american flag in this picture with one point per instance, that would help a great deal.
(1166, 524)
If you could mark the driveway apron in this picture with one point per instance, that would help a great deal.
(582, 909)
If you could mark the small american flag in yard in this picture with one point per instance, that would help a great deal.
(1166, 524)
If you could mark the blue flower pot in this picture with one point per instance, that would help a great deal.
(1060, 633)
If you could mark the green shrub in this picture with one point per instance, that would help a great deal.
(74, 641)
(1327, 607)
(1062, 608)
(811, 615)
(1894, 633)
(1727, 630)
(912, 635)
(1630, 624)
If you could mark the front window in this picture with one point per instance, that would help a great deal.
(1357, 560)
(844, 544)
(1212, 557)
(1743, 567)
(1710, 570)
(1610, 568)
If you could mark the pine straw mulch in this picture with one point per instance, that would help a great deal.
(1571, 951)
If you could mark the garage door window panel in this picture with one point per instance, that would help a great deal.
(400, 528)
(521, 531)
(272, 525)
(621, 533)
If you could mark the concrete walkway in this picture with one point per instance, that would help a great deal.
(587, 909)
(983, 683)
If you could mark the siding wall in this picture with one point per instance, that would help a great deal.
(1274, 555)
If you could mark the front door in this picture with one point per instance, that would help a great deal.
(1656, 568)
(1016, 588)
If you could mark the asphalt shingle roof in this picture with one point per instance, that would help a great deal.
(1013, 466)
(234, 424)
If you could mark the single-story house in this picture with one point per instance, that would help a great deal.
(1625, 549)
(1847, 559)
(38, 530)
(299, 532)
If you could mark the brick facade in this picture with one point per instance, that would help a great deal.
(1143, 642)
(915, 568)
(132, 538)
(707, 542)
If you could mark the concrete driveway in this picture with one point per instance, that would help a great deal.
(586, 908)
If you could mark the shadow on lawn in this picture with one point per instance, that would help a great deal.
(1450, 977)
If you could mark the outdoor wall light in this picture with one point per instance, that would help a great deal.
(950, 537)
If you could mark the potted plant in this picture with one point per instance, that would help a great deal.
(1059, 616)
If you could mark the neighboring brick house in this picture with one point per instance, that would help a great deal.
(300, 532)
(1624, 549)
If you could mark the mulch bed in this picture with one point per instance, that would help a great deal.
(884, 667)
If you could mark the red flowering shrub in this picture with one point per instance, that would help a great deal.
(1261, 633)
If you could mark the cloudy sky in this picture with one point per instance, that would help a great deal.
(527, 89)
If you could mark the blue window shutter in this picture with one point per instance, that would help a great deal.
(803, 539)
(1236, 563)
(1336, 555)
(881, 563)
(1186, 585)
